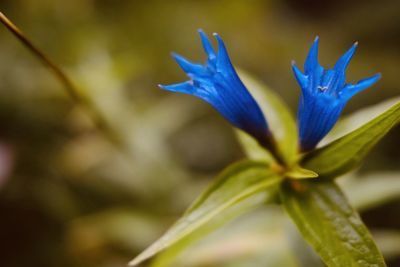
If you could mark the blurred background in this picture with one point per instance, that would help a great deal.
(70, 198)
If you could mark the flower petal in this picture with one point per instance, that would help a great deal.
(352, 89)
(344, 60)
(189, 67)
(207, 45)
(185, 87)
(300, 77)
(311, 65)
(324, 95)
(217, 83)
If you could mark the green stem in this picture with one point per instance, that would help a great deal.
(71, 89)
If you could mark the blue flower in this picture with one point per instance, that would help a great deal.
(324, 95)
(217, 83)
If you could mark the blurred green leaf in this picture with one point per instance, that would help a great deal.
(298, 172)
(372, 190)
(331, 226)
(252, 149)
(173, 254)
(237, 183)
(279, 119)
(130, 229)
(305, 255)
(347, 152)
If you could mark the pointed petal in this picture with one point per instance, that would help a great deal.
(189, 67)
(300, 77)
(352, 89)
(223, 62)
(344, 61)
(312, 58)
(207, 45)
(185, 87)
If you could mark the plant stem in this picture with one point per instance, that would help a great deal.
(71, 89)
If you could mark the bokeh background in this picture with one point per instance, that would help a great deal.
(70, 198)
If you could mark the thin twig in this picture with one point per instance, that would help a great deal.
(70, 87)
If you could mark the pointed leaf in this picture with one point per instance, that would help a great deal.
(329, 224)
(279, 117)
(348, 151)
(173, 253)
(236, 184)
(298, 172)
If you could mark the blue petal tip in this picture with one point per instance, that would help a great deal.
(174, 55)
(219, 40)
(202, 33)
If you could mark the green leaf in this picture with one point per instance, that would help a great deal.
(329, 224)
(269, 220)
(252, 148)
(347, 152)
(298, 172)
(236, 184)
(278, 115)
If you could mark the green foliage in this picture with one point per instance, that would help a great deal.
(317, 206)
(257, 239)
(252, 148)
(298, 172)
(261, 237)
(234, 185)
(332, 227)
(255, 201)
(88, 204)
(348, 151)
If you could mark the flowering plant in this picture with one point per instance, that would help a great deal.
(284, 167)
